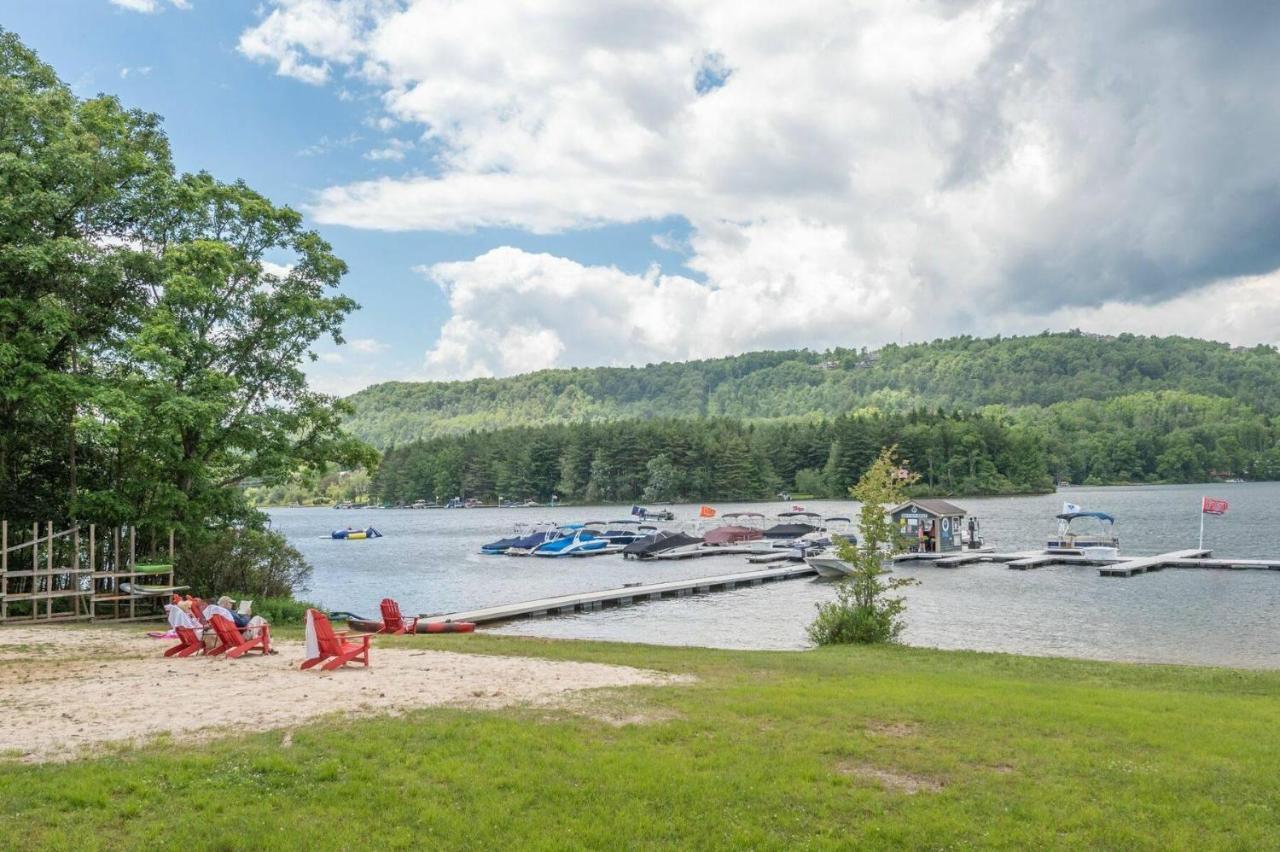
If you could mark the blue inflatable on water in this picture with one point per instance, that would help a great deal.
(355, 535)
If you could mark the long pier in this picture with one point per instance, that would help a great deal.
(625, 596)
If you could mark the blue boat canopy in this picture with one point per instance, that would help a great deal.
(1071, 516)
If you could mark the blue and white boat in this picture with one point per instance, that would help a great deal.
(525, 536)
(576, 540)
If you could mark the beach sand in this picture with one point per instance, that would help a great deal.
(67, 691)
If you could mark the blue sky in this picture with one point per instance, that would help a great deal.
(552, 183)
(237, 119)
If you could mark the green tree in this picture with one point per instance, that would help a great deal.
(864, 610)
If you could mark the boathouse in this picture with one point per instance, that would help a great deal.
(930, 526)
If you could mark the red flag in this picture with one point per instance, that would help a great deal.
(1213, 506)
(707, 512)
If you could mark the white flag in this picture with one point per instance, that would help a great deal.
(1069, 508)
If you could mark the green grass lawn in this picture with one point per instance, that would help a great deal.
(834, 748)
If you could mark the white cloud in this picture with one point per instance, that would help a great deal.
(326, 144)
(149, 7)
(1244, 312)
(140, 71)
(851, 170)
(330, 358)
(395, 150)
(280, 270)
(304, 37)
(367, 345)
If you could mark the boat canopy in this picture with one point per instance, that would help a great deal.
(1071, 516)
(799, 515)
(742, 515)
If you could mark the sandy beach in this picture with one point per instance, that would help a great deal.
(69, 691)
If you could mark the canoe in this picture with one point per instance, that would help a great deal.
(371, 625)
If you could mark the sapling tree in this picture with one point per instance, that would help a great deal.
(865, 609)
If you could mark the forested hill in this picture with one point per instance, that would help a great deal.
(961, 372)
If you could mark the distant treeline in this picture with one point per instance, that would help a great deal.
(713, 458)
(1144, 437)
(962, 373)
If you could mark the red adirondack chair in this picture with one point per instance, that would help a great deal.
(231, 642)
(197, 610)
(334, 647)
(395, 623)
(188, 643)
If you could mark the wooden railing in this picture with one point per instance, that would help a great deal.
(75, 574)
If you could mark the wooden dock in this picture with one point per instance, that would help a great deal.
(625, 596)
(1229, 564)
(1146, 564)
(1118, 566)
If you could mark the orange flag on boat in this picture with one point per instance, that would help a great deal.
(1213, 506)
(706, 512)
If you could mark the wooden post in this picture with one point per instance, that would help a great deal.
(75, 567)
(4, 571)
(133, 579)
(93, 563)
(115, 569)
(48, 582)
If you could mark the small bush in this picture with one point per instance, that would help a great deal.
(281, 610)
(258, 564)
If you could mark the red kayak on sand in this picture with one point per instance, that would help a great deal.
(369, 625)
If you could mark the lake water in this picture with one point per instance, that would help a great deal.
(429, 561)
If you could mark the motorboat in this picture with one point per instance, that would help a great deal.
(829, 565)
(578, 542)
(742, 527)
(1082, 533)
(623, 532)
(663, 544)
(524, 536)
(795, 524)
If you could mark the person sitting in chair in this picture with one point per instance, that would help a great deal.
(248, 626)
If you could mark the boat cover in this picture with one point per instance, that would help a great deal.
(731, 534)
(789, 530)
(658, 542)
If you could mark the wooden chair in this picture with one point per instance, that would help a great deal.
(189, 642)
(232, 642)
(395, 623)
(333, 646)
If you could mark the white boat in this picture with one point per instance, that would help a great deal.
(828, 565)
(1097, 540)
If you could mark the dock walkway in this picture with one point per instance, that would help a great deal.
(1143, 565)
(590, 601)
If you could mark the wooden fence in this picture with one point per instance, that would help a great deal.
(79, 573)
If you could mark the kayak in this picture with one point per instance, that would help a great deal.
(138, 590)
(373, 625)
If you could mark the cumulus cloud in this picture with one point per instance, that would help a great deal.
(850, 171)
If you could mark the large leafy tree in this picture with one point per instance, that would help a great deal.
(154, 325)
(76, 182)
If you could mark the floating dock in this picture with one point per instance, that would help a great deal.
(1118, 566)
(1146, 564)
(625, 596)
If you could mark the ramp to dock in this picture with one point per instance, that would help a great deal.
(590, 601)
